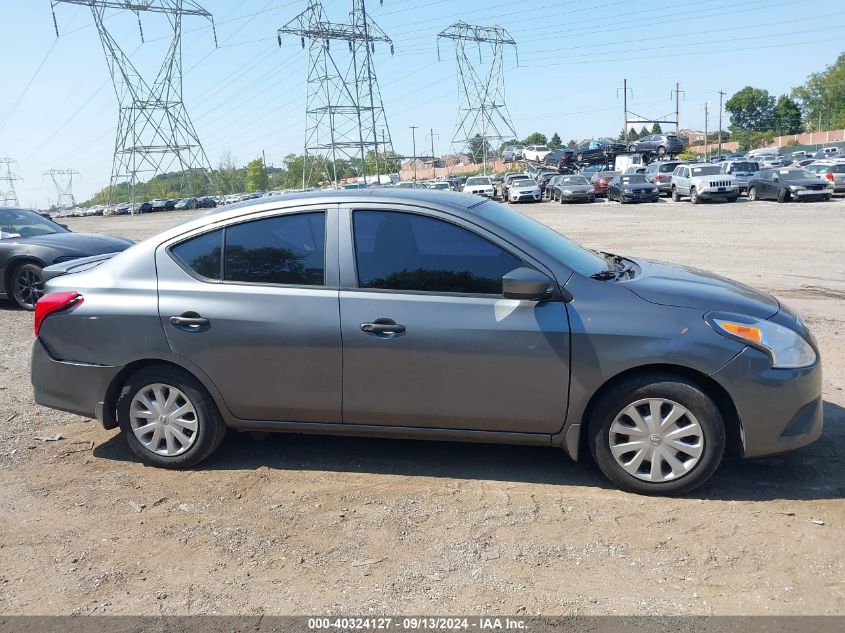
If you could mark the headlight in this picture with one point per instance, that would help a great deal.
(568, 192)
(795, 188)
(786, 347)
(627, 190)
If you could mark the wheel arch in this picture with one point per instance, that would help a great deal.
(723, 400)
(109, 413)
(12, 264)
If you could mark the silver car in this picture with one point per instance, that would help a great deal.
(524, 190)
(432, 315)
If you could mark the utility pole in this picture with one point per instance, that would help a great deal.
(343, 105)
(433, 157)
(721, 97)
(482, 111)
(8, 195)
(706, 105)
(414, 143)
(677, 93)
(625, 105)
(155, 134)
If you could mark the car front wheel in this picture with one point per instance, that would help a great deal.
(657, 434)
(27, 285)
(693, 195)
(675, 195)
(752, 194)
(168, 418)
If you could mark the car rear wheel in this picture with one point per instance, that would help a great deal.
(27, 285)
(632, 147)
(657, 434)
(579, 157)
(168, 418)
(675, 196)
(661, 151)
(752, 194)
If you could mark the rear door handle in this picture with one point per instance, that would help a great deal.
(188, 320)
(383, 326)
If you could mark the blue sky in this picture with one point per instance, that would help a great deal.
(58, 108)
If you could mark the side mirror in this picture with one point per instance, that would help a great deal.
(526, 284)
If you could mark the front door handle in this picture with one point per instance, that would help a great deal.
(188, 320)
(383, 326)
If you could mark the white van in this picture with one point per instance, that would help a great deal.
(624, 161)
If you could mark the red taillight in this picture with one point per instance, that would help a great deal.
(54, 302)
(660, 177)
(829, 176)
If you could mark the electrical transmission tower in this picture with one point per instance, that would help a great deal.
(345, 119)
(482, 113)
(154, 133)
(8, 195)
(63, 179)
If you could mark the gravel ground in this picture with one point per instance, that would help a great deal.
(295, 525)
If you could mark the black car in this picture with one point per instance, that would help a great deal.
(660, 144)
(559, 158)
(788, 184)
(596, 150)
(543, 178)
(30, 242)
(632, 188)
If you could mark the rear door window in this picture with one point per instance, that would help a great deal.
(201, 254)
(286, 249)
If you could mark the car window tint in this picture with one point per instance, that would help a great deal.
(201, 254)
(405, 251)
(287, 249)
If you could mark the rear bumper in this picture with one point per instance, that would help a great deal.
(68, 386)
(779, 409)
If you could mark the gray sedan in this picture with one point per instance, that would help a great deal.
(431, 315)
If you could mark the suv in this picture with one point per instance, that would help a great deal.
(535, 153)
(480, 186)
(830, 170)
(703, 182)
(660, 173)
(660, 144)
(742, 170)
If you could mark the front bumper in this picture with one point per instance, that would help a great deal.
(578, 196)
(69, 386)
(715, 194)
(523, 197)
(636, 197)
(779, 409)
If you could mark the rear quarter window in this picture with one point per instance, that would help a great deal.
(201, 254)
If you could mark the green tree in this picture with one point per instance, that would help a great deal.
(751, 109)
(787, 116)
(572, 144)
(256, 176)
(535, 139)
(475, 149)
(633, 135)
(656, 129)
(822, 97)
(555, 141)
(644, 132)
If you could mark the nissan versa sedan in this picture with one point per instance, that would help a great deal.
(432, 315)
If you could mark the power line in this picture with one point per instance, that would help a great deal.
(63, 180)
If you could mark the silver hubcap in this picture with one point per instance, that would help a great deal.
(163, 420)
(656, 440)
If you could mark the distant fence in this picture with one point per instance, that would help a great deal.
(429, 173)
(808, 138)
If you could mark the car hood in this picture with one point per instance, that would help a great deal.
(803, 182)
(77, 243)
(577, 187)
(685, 287)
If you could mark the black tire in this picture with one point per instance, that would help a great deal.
(632, 147)
(579, 158)
(26, 285)
(693, 196)
(210, 426)
(783, 195)
(752, 194)
(657, 385)
(733, 198)
(675, 195)
(661, 151)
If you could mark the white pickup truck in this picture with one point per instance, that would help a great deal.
(703, 182)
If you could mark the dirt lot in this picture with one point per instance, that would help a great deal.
(299, 525)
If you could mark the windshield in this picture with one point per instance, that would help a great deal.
(23, 223)
(792, 174)
(747, 167)
(478, 181)
(439, 185)
(574, 180)
(668, 168)
(572, 254)
(523, 183)
(633, 179)
(706, 170)
(541, 148)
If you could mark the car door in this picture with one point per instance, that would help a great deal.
(254, 305)
(456, 354)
